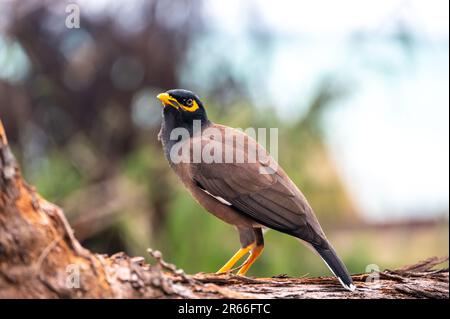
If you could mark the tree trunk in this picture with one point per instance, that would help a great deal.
(40, 258)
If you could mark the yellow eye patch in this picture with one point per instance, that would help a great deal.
(190, 108)
(189, 105)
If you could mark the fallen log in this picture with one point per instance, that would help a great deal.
(41, 258)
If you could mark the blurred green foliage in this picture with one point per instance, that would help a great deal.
(196, 241)
(56, 177)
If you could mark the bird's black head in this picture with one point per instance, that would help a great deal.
(186, 103)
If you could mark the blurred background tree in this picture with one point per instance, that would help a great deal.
(79, 108)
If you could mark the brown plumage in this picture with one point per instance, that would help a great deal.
(247, 194)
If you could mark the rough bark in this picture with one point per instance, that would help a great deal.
(40, 258)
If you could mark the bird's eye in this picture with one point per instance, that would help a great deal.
(189, 102)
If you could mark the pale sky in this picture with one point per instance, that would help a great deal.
(323, 17)
(390, 136)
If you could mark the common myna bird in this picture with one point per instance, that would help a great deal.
(248, 194)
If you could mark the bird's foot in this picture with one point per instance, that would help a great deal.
(254, 254)
(236, 257)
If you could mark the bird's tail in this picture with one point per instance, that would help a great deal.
(336, 266)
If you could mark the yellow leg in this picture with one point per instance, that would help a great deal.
(255, 253)
(240, 253)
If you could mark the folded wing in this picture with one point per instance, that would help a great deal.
(272, 200)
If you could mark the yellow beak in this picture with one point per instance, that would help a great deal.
(166, 99)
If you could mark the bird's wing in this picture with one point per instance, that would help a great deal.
(272, 200)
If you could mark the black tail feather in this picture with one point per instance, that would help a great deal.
(336, 266)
